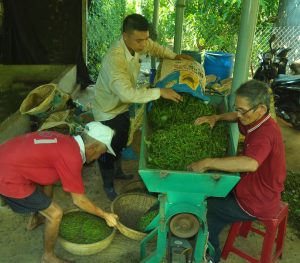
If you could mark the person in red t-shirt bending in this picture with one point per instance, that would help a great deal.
(42, 159)
(261, 164)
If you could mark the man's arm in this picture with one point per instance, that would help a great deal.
(117, 73)
(212, 119)
(86, 205)
(227, 164)
(184, 56)
(157, 50)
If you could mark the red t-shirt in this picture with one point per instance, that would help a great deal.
(39, 158)
(259, 193)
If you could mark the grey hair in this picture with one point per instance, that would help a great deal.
(256, 92)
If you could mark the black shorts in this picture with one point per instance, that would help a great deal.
(35, 202)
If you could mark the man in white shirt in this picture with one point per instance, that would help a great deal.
(116, 90)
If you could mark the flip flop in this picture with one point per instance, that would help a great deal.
(34, 221)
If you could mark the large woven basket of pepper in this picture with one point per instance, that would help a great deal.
(82, 233)
(131, 208)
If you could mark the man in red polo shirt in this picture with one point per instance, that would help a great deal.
(261, 164)
(42, 159)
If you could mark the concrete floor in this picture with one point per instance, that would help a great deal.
(20, 246)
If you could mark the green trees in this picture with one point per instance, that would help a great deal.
(104, 25)
(209, 24)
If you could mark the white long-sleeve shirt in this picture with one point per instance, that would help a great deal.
(116, 87)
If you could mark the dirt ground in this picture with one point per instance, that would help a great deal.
(20, 246)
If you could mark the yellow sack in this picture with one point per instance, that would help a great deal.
(44, 100)
(135, 123)
(182, 76)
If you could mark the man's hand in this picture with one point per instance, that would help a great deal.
(227, 164)
(211, 120)
(111, 219)
(184, 56)
(200, 166)
(86, 205)
(170, 94)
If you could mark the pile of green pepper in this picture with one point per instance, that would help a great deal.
(176, 142)
(146, 219)
(165, 113)
(83, 228)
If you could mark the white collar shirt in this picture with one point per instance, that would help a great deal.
(79, 140)
(116, 86)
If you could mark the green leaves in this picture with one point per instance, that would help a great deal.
(176, 142)
(104, 25)
(146, 219)
(83, 228)
(166, 113)
(176, 148)
(291, 195)
(208, 24)
(216, 22)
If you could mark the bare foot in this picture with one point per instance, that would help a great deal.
(51, 258)
(35, 220)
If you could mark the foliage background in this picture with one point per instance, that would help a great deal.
(291, 195)
(104, 25)
(208, 25)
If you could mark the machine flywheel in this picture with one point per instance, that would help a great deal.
(184, 225)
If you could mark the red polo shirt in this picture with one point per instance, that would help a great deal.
(39, 158)
(259, 192)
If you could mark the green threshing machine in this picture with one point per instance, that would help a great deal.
(180, 228)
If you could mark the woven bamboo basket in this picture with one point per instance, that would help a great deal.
(86, 249)
(44, 100)
(136, 186)
(130, 207)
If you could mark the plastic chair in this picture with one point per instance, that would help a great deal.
(275, 230)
